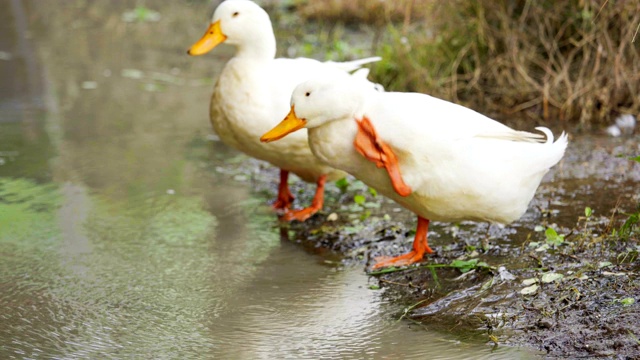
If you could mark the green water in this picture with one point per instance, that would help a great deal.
(121, 235)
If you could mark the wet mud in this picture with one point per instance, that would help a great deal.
(572, 295)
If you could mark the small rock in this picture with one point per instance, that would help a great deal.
(89, 85)
(505, 275)
(5, 56)
(626, 123)
(332, 217)
(213, 137)
(545, 324)
(614, 131)
(132, 74)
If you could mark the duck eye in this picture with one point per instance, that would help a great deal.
(307, 94)
(235, 14)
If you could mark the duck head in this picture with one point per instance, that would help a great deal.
(241, 23)
(319, 101)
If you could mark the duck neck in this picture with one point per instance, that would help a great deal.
(259, 48)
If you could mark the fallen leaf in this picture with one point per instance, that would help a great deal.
(529, 290)
(551, 277)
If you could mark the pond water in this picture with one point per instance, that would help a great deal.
(121, 237)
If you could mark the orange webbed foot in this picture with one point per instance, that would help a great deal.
(284, 201)
(316, 204)
(409, 258)
(420, 247)
(300, 215)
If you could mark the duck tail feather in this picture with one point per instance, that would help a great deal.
(354, 64)
(547, 133)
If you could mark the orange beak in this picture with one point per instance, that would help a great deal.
(290, 124)
(211, 38)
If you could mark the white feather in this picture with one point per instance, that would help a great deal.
(253, 91)
(461, 165)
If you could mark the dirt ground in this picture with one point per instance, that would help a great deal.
(571, 292)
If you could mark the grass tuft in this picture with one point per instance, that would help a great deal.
(526, 59)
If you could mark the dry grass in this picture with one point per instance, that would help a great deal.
(565, 61)
(571, 61)
(372, 12)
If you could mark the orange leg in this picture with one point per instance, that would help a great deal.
(285, 199)
(316, 204)
(420, 247)
(374, 149)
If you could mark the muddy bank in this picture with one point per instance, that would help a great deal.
(168, 246)
(571, 291)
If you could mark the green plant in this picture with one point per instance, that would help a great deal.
(630, 255)
(141, 14)
(625, 302)
(463, 265)
(552, 237)
(342, 184)
(468, 265)
(552, 240)
(630, 226)
(588, 212)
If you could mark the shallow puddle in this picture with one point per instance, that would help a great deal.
(121, 234)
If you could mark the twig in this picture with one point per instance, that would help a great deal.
(599, 11)
(398, 269)
(525, 105)
(529, 308)
(570, 256)
(409, 308)
(535, 258)
(398, 283)
(435, 277)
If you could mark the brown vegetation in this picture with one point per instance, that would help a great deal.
(558, 61)
(364, 11)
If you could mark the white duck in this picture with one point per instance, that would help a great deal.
(253, 92)
(440, 160)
